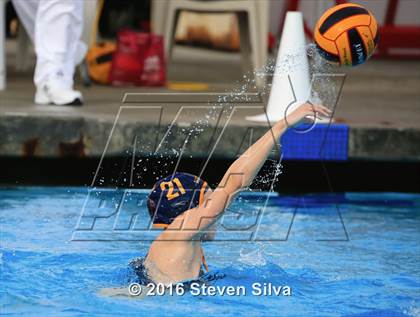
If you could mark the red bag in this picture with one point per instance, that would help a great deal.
(154, 68)
(138, 60)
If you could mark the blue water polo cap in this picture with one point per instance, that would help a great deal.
(173, 195)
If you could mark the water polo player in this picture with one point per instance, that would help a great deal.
(187, 209)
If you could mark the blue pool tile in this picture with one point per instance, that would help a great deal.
(321, 142)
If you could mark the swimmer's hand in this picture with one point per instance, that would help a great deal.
(305, 111)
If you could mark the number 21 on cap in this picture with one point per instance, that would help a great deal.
(170, 187)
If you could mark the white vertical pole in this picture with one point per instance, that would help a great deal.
(2, 45)
(90, 11)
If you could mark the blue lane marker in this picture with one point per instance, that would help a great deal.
(322, 142)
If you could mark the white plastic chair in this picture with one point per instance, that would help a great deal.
(252, 18)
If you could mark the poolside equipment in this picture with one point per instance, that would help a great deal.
(253, 18)
(173, 195)
(135, 59)
(321, 142)
(291, 85)
(187, 86)
(346, 34)
(138, 60)
(99, 61)
(99, 55)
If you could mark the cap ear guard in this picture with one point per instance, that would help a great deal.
(151, 207)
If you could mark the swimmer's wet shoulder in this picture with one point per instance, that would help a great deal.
(187, 209)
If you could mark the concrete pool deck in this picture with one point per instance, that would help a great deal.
(380, 103)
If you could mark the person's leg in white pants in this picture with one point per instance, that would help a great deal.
(55, 26)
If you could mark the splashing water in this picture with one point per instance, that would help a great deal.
(325, 89)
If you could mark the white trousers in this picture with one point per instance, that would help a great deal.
(55, 28)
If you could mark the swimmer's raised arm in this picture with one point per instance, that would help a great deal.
(241, 173)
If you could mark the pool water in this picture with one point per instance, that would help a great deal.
(341, 255)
